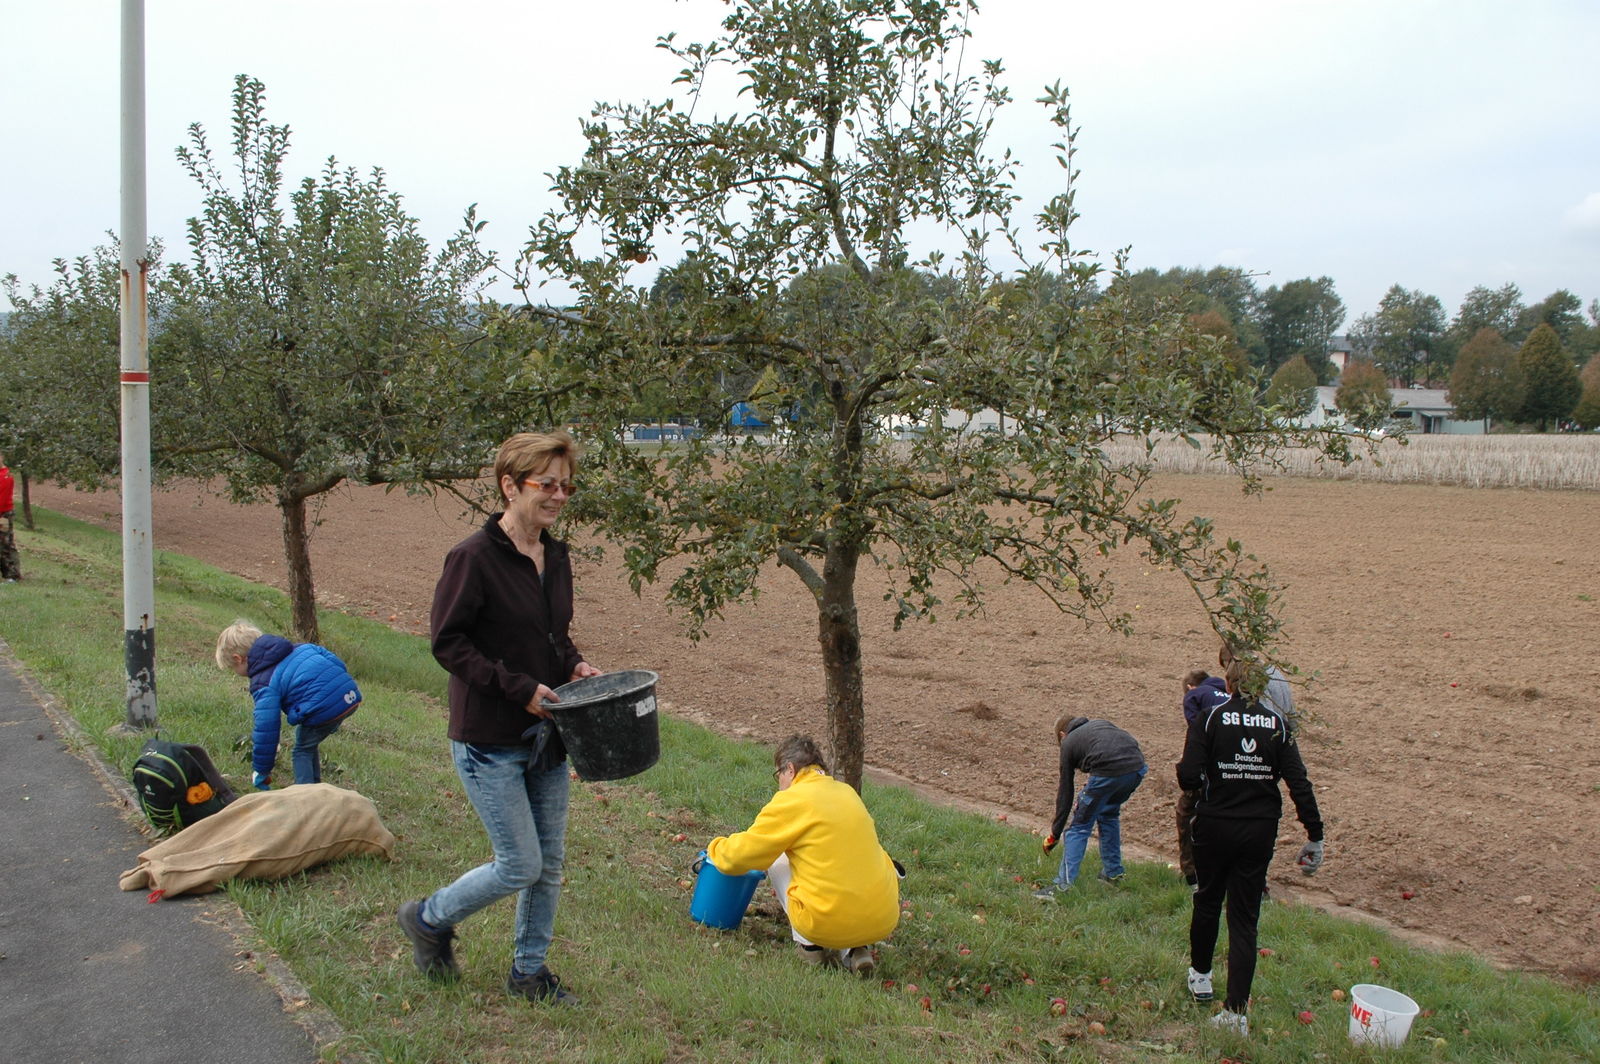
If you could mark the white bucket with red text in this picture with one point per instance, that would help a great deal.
(1380, 1016)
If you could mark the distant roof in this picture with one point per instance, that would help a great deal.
(1421, 400)
(1428, 400)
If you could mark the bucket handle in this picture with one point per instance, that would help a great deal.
(698, 863)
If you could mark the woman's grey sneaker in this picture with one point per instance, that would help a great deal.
(431, 949)
(1237, 1022)
(1050, 892)
(810, 954)
(1200, 985)
(543, 986)
(859, 961)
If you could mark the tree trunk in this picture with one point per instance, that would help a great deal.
(297, 551)
(27, 504)
(839, 632)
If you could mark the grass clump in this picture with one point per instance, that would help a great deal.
(970, 975)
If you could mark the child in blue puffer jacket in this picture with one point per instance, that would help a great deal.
(302, 681)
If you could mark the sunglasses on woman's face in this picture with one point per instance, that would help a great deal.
(548, 485)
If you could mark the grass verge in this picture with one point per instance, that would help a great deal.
(972, 974)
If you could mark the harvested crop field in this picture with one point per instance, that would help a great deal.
(1452, 739)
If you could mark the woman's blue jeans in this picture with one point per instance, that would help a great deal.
(1099, 805)
(524, 810)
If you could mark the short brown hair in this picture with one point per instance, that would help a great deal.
(1245, 677)
(1195, 677)
(528, 453)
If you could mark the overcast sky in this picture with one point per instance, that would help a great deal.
(1437, 144)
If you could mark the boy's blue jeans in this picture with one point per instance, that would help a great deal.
(307, 737)
(1099, 805)
(524, 810)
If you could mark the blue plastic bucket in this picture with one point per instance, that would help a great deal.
(721, 900)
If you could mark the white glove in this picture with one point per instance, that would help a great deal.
(1310, 858)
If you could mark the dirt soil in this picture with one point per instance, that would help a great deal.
(1452, 738)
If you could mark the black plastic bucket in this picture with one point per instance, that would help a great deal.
(609, 723)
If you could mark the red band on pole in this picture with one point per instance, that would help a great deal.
(134, 376)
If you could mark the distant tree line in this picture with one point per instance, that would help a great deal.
(1499, 357)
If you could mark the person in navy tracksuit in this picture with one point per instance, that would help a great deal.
(1201, 691)
(304, 682)
(1235, 755)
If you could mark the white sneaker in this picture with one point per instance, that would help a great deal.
(1235, 1022)
(1200, 985)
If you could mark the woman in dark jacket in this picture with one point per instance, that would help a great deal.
(1236, 754)
(500, 616)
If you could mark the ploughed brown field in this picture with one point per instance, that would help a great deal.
(1453, 740)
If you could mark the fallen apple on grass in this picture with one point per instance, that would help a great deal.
(1058, 1006)
(1306, 1016)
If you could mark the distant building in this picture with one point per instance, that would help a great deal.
(1424, 411)
(1340, 352)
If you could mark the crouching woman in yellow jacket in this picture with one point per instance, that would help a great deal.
(818, 845)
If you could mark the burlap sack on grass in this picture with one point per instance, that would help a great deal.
(263, 835)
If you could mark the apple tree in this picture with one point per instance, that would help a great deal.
(811, 225)
(58, 357)
(315, 338)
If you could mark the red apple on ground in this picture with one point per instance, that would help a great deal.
(1306, 1016)
(1058, 1006)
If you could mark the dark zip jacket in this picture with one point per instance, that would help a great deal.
(500, 632)
(1236, 754)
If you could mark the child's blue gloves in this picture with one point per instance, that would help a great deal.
(262, 783)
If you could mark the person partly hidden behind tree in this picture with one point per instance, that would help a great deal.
(10, 565)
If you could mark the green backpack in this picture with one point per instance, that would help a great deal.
(178, 785)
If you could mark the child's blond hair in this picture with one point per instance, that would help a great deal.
(236, 639)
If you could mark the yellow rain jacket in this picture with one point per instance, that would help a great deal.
(845, 891)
